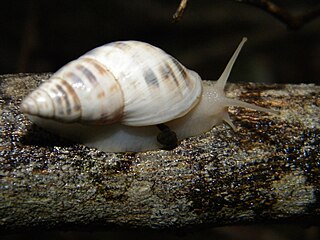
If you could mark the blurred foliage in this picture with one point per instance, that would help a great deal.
(41, 36)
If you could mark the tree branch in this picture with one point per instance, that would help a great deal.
(179, 12)
(292, 22)
(266, 171)
(283, 15)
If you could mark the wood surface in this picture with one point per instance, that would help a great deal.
(267, 171)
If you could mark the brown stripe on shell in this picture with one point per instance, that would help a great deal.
(65, 98)
(169, 72)
(88, 74)
(71, 91)
(164, 71)
(101, 95)
(77, 80)
(74, 97)
(115, 88)
(58, 99)
(102, 70)
(57, 96)
(105, 118)
(181, 69)
(150, 78)
(183, 72)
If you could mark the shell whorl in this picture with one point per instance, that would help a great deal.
(81, 91)
(130, 82)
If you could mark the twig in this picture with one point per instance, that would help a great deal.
(178, 14)
(283, 15)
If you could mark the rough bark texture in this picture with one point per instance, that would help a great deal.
(266, 171)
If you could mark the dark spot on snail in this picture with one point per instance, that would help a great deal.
(121, 45)
(167, 138)
(150, 78)
(77, 107)
(101, 95)
(114, 88)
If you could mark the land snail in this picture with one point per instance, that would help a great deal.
(130, 96)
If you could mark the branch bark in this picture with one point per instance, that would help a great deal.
(266, 171)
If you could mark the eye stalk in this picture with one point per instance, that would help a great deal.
(221, 83)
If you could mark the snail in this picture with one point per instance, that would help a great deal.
(130, 96)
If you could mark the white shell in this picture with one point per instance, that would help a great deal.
(130, 82)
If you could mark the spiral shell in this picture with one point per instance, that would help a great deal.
(130, 82)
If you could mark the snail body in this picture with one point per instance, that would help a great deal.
(112, 97)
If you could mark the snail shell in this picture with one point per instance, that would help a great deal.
(129, 82)
(111, 98)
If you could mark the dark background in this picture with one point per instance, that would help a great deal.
(42, 36)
